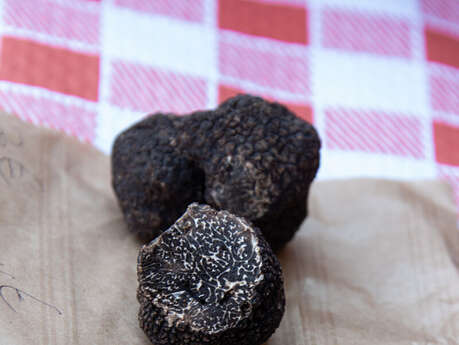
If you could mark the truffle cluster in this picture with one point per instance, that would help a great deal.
(253, 158)
(211, 278)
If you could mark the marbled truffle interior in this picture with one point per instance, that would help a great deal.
(209, 279)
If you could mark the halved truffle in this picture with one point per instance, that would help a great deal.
(251, 157)
(209, 279)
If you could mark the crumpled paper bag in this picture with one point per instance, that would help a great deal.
(375, 263)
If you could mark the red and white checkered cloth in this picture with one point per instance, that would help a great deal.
(378, 78)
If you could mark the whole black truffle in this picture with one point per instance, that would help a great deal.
(253, 158)
(209, 279)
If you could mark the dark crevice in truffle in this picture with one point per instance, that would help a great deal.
(226, 297)
(192, 294)
(198, 176)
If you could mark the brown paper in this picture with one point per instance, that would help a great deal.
(375, 263)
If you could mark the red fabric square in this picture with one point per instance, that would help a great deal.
(371, 131)
(54, 19)
(446, 139)
(225, 92)
(362, 32)
(72, 119)
(266, 68)
(281, 22)
(303, 111)
(187, 10)
(144, 88)
(442, 47)
(57, 69)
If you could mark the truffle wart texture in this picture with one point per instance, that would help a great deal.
(251, 157)
(209, 279)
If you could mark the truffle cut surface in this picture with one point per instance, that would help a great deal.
(209, 279)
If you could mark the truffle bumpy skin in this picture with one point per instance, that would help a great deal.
(209, 279)
(253, 158)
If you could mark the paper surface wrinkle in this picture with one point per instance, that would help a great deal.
(376, 262)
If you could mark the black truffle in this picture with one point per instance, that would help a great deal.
(209, 279)
(253, 158)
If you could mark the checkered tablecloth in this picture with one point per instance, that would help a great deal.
(378, 78)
